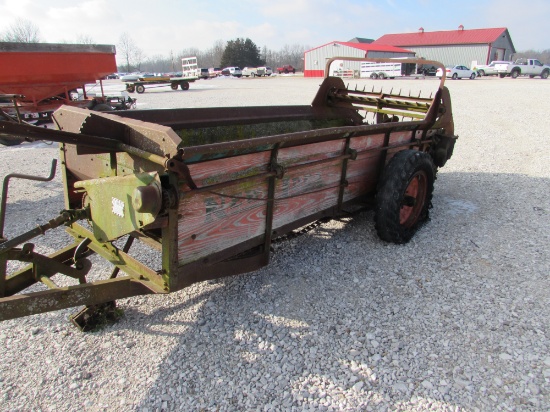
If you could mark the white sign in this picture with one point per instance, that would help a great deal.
(118, 207)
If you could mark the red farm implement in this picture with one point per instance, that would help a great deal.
(37, 78)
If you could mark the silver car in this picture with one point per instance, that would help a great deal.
(234, 71)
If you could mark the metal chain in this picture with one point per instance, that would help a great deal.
(297, 233)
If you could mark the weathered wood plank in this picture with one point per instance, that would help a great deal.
(213, 221)
(229, 168)
(209, 222)
(304, 192)
(298, 155)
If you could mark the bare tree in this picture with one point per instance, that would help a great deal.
(212, 57)
(138, 58)
(217, 52)
(84, 39)
(543, 56)
(22, 31)
(130, 53)
(289, 54)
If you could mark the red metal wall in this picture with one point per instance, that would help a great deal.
(314, 73)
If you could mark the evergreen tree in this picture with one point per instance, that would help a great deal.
(242, 53)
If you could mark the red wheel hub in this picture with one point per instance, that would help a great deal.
(413, 199)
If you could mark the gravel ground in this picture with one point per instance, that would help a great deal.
(457, 319)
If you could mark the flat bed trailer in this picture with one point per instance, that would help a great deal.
(190, 73)
(211, 193)
(142, 83)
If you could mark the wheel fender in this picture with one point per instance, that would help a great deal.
(443, 149)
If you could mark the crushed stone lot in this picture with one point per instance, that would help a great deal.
(457, 319)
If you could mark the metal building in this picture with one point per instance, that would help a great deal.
(315, 59)
(456, 46)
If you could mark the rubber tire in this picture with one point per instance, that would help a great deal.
(381, 76)
(454, 76)
(374, 76)
(481, 73)
(514, 74)
(184, 85)
(472, 76)
(130, 88)
(102, 107)
(502, 75)
(140, 88)
(397, 176)
(544, 74)
(174, 86)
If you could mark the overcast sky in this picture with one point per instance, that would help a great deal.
(161, 26)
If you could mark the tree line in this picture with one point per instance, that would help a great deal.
(542, 56)
(239, 52)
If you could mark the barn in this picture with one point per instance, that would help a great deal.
(315, 59)
(454, 47)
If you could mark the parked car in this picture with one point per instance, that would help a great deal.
(268, 71)
(233, 71)
(130, 77)
(214, 71)
(253, 71)
(427, 70)
(521, 67)
(249, 72)
(457, 72)
(489, 69)
(287, 68)
(204, 74)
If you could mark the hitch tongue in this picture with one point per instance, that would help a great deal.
(66, 216)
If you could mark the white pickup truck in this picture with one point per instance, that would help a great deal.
(529, 67)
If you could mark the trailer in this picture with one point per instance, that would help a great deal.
(388, 70)
(37, 78)
(141, 83)
(190, 73)
(210, 194)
